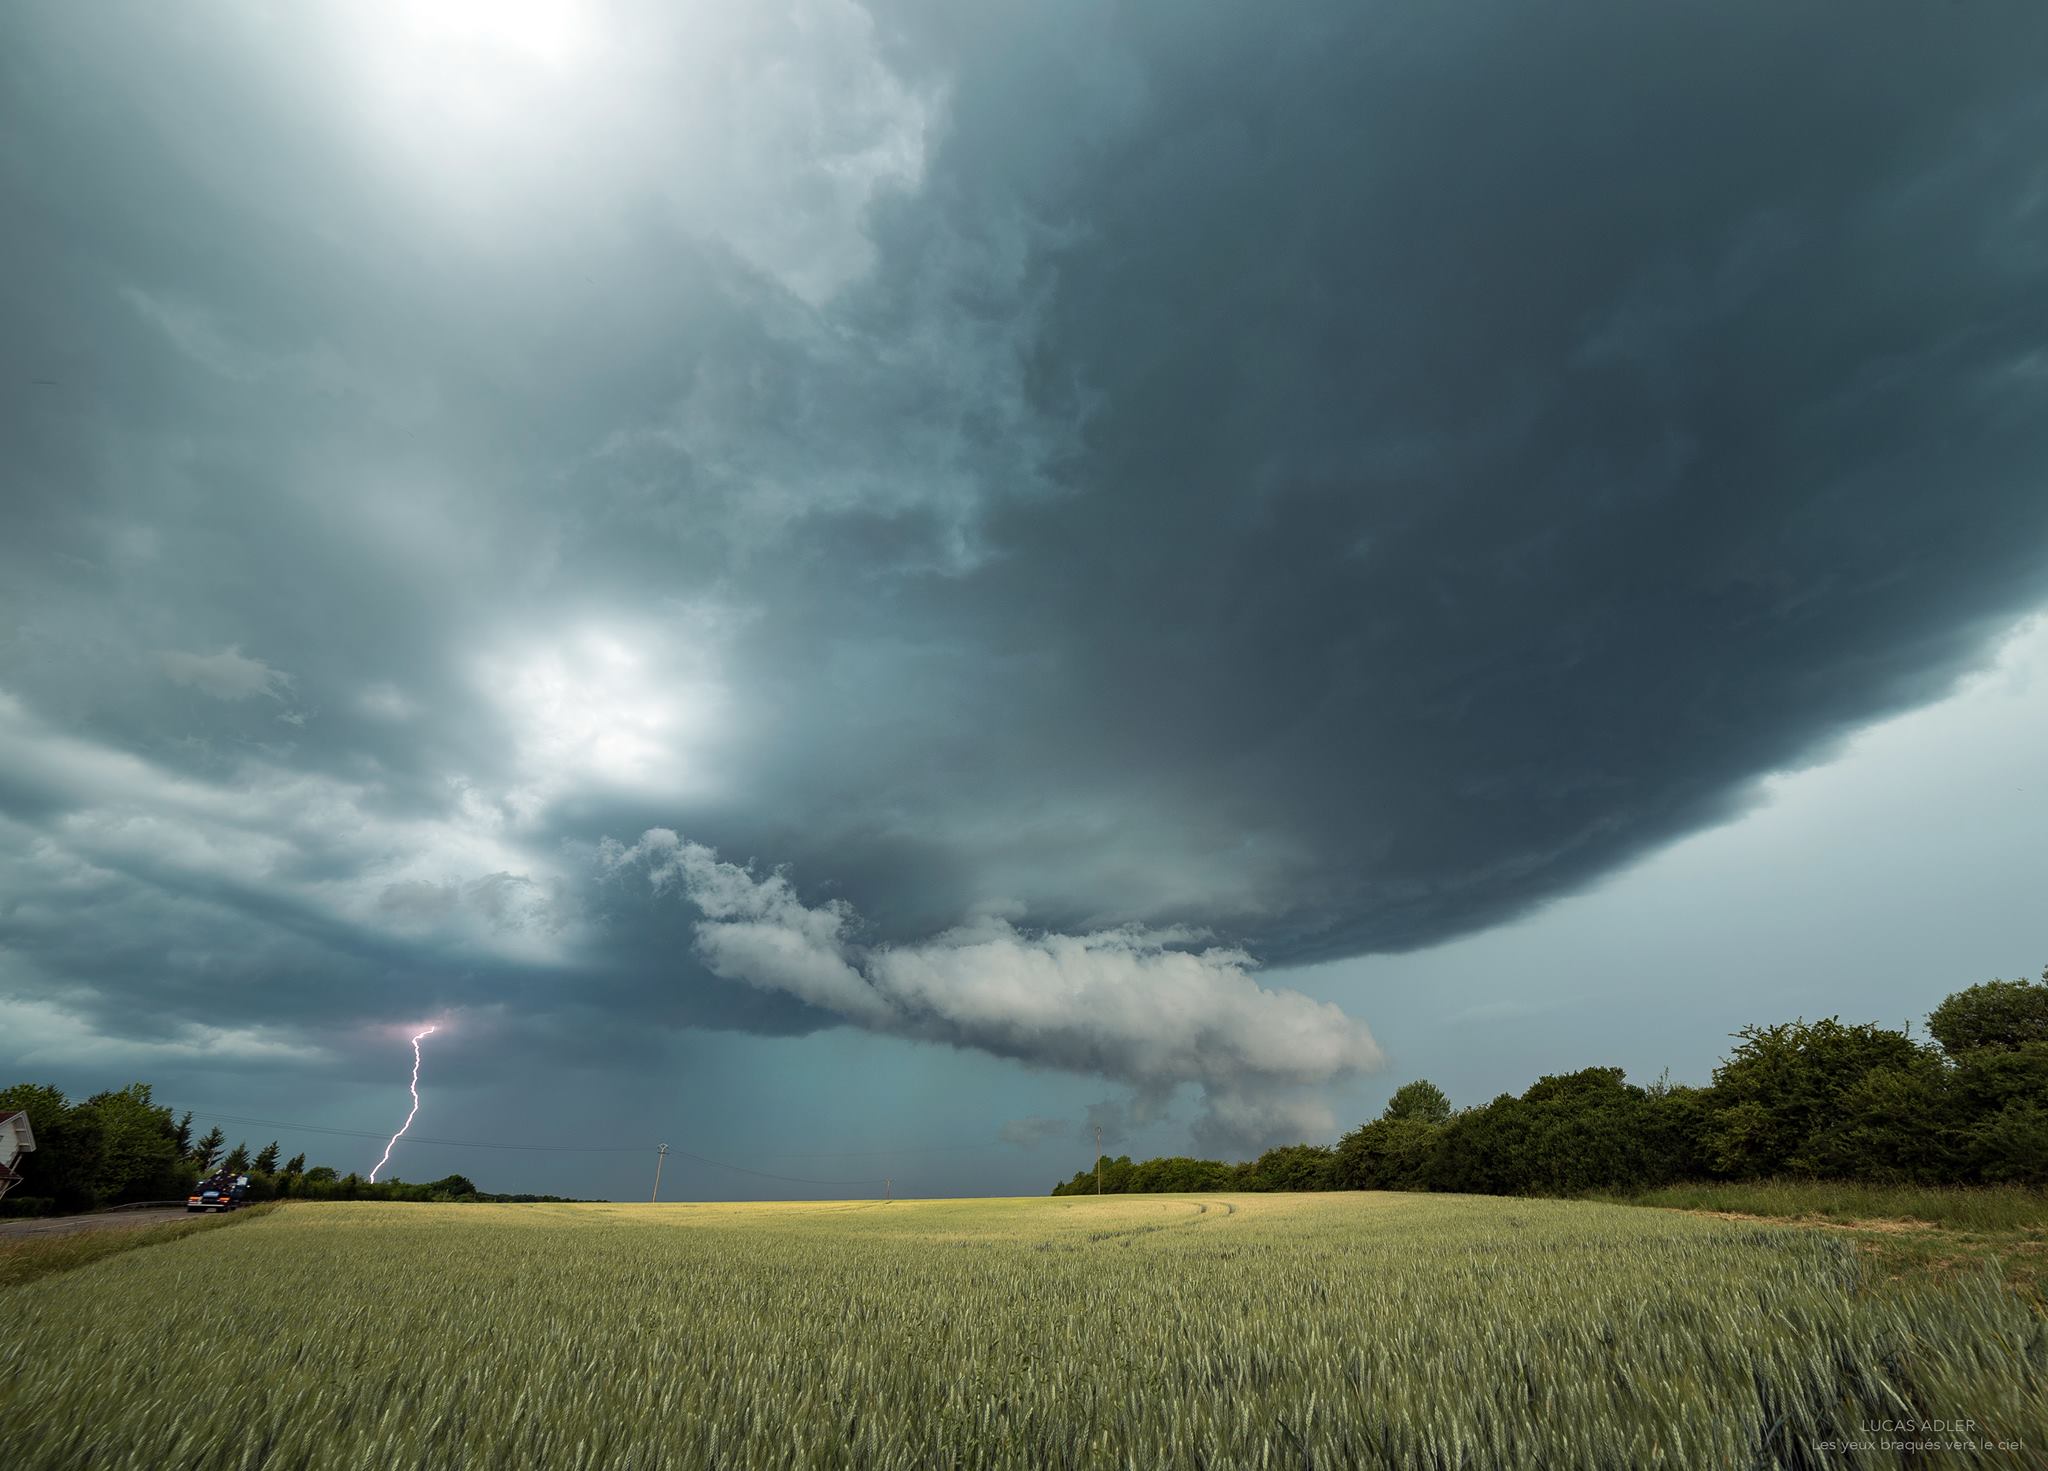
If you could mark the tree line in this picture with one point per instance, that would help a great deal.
(119, 1147)
(1968, 1105)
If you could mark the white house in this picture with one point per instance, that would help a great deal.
(16, 1139)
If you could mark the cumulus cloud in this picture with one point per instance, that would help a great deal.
(1130, 1004)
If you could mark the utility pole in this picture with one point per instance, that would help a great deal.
(1098, 1159)
(888, 1188)
(657, 1175)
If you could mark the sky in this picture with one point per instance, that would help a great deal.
(867, 589)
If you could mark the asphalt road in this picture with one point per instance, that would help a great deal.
(101, 1221)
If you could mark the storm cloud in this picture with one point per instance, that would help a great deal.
(1135, 1006)
(1085, 498)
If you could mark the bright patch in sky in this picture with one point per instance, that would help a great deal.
(551, 31)
(593, 711)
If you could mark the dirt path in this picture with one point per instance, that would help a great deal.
(1889, 1224)
(103, 1221)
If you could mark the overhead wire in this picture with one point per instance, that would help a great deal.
(228, 1118)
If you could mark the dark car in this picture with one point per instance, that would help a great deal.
(221, 1192)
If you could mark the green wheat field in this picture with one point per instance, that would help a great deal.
(1128, 1331)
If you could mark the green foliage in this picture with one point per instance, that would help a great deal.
(1819, 1100)
(206, 1153)
(1782, 1084)
(1996, 1014)
(1889, 1125)
(1420, 1101)
(68, 1146)
(1387, 1154)
(121, 1146)
(138, 1147)
(1266, 1330)
(116, 1146)
(1157, 1176)
(237, 1161)
(1292, 1167)
(2000, 1110)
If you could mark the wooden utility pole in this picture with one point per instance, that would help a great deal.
(888, 1188)
(1098, 1159)
(657, 1175)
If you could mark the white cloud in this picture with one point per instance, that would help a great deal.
(603, 708)
(43, 1033)
(769, 130)
(271, 836)
(1127, 1003)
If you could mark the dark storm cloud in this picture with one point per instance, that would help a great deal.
(1328, 486)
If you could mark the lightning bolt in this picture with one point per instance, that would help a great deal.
(414, 1087)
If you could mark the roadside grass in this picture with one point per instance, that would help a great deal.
(1903, 1233)
(1952, 1207)
(29, 1257)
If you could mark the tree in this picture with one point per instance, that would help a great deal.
(266, 1159)
(1179, 1173)
(1587, 1131)
(237, 1162)
(1675, 1122)
(1999, 1107)
(1783, 1084)
(1892, 1124)
(207, 1150)
(1421, 1101)
(2002, 1014)
(138, 1149)
(1480, 1151)
(296, 1165)
(184, 1134)
(65, 1167)
(1386, 1154)
(321, 1174)
(1293, 1167)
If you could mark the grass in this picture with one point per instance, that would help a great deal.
(25, 1258)
(1905, 1232)
(1970, 1208)
(1130, 1331)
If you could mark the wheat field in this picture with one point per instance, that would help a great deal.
(1156, 1331)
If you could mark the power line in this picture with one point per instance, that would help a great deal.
(229, 1118)
(880, 1153)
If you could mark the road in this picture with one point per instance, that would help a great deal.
(101, 1221)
